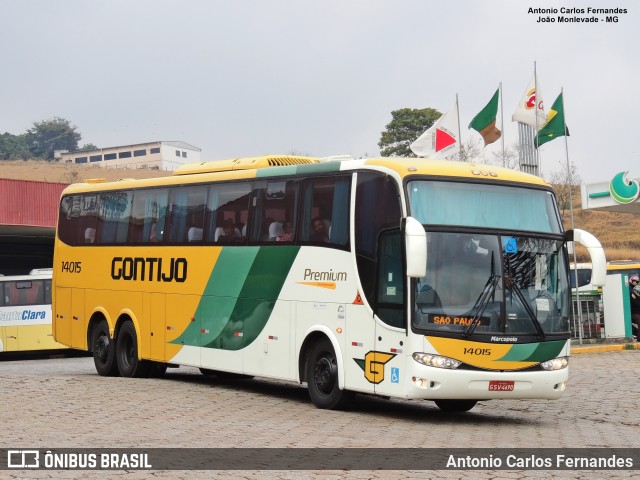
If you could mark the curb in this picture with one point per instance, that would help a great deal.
(604, 348)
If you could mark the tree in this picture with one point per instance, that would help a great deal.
(13, 147)
(49, 135)
(406, 125)
(566, 182)
(88, 146)
(510, 158)
(471, 152)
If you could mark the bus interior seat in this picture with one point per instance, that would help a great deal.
(194, 234)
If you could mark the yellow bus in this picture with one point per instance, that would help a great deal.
(25, 312)
(406, 278)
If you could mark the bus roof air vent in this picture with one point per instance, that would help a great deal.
(248, 163)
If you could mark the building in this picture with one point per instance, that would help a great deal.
(153, 155)
(28, 216)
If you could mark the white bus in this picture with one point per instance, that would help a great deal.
(25, 312)
(399, 277)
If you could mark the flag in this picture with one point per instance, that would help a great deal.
(555, 126)
(531, 106)
(441, 139)
(485, 121)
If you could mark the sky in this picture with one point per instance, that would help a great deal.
(252, 77)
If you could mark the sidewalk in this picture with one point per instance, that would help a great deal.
(602, 347)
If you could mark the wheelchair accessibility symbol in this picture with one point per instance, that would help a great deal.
(395, 375)
(509, 245)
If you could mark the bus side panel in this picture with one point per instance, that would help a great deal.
(359, 332)
(155, 329)
(180, 314)
(270, 353)
(10, 338)
(78, 320)
(62, 316)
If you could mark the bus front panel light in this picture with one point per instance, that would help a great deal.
(437, 361)
(555, 364)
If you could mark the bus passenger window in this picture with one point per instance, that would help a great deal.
(325, 210)
(114, 209)
(274, 204)
(186, 210)
(148, 215)
(227, 203)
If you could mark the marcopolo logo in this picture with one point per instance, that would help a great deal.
(623, 189)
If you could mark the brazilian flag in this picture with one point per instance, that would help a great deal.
(555, 126)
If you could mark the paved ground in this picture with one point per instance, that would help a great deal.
(62, 402)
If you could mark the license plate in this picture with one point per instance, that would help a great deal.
(501, 385)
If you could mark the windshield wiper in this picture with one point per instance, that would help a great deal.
(481, 303)
(529, 310)
(513, 287)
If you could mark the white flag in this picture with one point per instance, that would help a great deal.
(441, 139)
(530, 106)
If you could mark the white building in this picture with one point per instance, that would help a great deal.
(153, 155)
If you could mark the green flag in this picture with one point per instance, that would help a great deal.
(555, 126)
(485, 121)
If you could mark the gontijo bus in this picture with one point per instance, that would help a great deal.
(407, 278)
(25, 312)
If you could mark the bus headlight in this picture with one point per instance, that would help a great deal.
(437, 361)
(555, 364)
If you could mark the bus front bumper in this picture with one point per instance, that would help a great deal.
(437, 383)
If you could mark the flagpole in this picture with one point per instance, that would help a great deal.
(459, 134)
(575, 258)
(502, 125)
(536, 151)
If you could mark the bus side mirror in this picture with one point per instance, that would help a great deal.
(596, 252)
(415, 239)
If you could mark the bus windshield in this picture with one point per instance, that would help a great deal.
(492, 284)
(483, 205)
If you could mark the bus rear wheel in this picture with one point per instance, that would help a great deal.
(129, 364)
(456, 405)
(322, 378)
(104, 350)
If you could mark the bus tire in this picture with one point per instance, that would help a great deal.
(129, 365)
(456, 405)
(322, 378)
(104, 350)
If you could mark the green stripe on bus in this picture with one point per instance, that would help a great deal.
(220, 295)
(599, 194)
(309, 168)
(257, 298)
(534, 352)
(547, 351)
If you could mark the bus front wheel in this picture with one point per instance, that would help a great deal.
(104, 350)
(129, 364)
(322, 378)
(456, 405)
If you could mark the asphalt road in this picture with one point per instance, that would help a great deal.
(63, 403)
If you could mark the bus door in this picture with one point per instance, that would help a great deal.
(388, 361)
